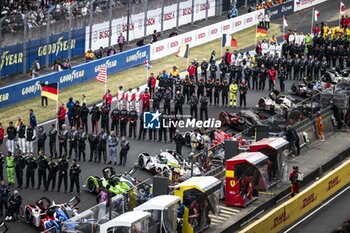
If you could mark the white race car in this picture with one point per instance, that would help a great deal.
(276, 102)
(165, 162)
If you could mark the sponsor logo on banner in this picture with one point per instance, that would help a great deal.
(159, 48)
(308, 200)
(333, 182)
(249, 19)
(174, 44)
(151, 21)
(7, 59)
(303, 4)
(280, 10)
(131, 27)
(187, 39)
(280, 219)
(169, 16)
(72, 76)
(187, 11)
(136, 56)
(57, 47)
(32, 89)
(201, 35)
(226, 27)
(4, 97)
(109, 64)
(104, 34)
(238, 23)
(214, 31)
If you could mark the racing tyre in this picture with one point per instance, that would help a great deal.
(261, 103)
(166, 172)
(28, 215)
(141, 162)
(293, 89)
(90, 184)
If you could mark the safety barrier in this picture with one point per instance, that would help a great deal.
(79, 74)
(284, 215)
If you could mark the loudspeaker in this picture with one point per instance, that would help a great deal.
(231, 149)
(261, 131)
(160, 186)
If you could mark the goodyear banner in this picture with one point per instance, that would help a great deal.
(290, 211)
(78, 74)
(11, 57)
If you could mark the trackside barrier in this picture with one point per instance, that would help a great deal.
(204, 35)
(18, 92)
(290, 211)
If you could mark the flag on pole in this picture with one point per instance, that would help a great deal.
(183, 51)
(342, 8)
(228, 40)
(102, 75)
(147, 63)
(50, 91)
(285, 22)
(261, 32)
(317, 14)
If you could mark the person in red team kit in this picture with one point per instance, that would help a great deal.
(191, 71)
(61, 116)
(107, 98)
(295, 183)
(272, 78)
(145, 97)
(151, 82)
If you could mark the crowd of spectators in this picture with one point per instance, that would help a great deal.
(15, 10)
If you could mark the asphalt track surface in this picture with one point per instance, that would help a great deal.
(328, 218)
(299, 20)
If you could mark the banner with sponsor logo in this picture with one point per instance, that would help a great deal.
(11, 57)
(282, 9)
(28, 89)
(100, 32)
(303, 4)
(290, 211)
(203, 35)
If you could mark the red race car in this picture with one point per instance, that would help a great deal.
(241, 121)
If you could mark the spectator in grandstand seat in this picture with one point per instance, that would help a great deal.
(111, 51)
(121, 42)
(233, 12)
(35, 68)
(174, 33)
(99, 53)
(155, 36)
(141, 42)
(89, 55)
(66, 64)
(56, 66)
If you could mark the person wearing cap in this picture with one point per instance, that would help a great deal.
(76, 114)
(191, 71)
(31, 164)
(52, 173)
(295, 183)
(167, 102)
(20, 164)
(41, 139)
(105, 117)
(63, 165)
(204, 107)
(233, 94)
(115, 119)
(132, 118)
(209, 85)
(123, 120)
(156, 99)
(43, 165)
(62, 140)
(185, 88)
(243, 89)
(179, 100)
(200, 88)
(204, 68)
(74, 172)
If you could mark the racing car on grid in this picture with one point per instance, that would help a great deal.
(308, 87)
(241, 121)
(46, 214)
(164, 163)
(119, 183)
(276, 103)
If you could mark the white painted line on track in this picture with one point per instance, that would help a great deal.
(318, 209)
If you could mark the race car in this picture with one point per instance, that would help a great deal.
(307, 88)
(276, 103)
(241, 121)
(117, 184)
(46, 214)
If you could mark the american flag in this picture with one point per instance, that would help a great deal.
(102, 75)
(147, 63)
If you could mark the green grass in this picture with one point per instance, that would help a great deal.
(131, 78)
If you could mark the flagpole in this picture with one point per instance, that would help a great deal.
(58, 94)
(312, 18)
(283, 28)
(256, 28)
(339, 12)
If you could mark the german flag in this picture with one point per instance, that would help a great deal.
(50, 91)
(261, 32)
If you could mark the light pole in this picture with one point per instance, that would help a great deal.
(48, 23)
(70, 29)
(91, 20)
(25, 38)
